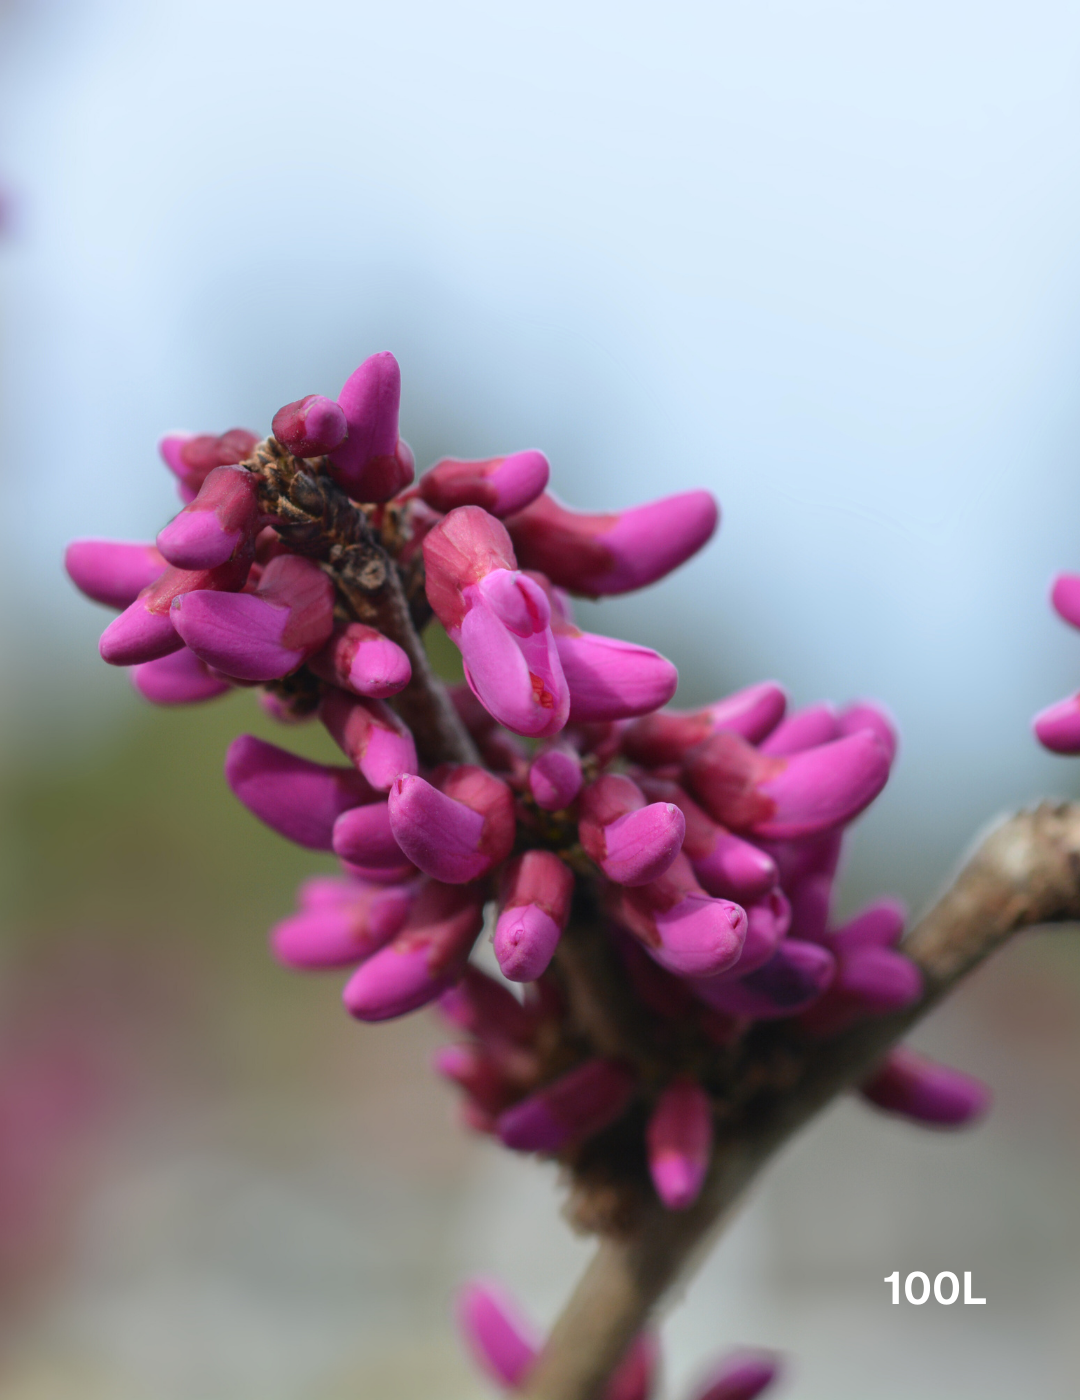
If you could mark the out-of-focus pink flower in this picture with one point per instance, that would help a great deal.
(918, 1088)
(679, 1142)
(425, 958)
(664, 737)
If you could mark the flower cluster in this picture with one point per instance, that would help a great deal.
(658, 880)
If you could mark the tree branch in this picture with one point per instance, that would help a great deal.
(1024, 873)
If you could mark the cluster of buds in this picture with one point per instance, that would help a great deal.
(505, 1346)
(657, 882)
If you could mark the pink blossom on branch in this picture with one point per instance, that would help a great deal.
(659, 883)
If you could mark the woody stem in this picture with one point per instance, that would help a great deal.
(1024, 873)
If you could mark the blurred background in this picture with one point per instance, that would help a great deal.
(820, 257)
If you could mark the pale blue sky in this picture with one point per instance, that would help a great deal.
(821, 257)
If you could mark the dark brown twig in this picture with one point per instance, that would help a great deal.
(316, 518)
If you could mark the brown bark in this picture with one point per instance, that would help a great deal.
(316, 518)
(1024, 873)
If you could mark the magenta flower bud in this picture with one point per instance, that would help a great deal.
(486, 1009)
(1057, 727)
(262, 635)
(144, 631)
(726, 866)
(604, 554)
(680, 926)
(798, 795)
(537, 891)
(869, 981)
(342, 934)
(575, 1106)
(666, 736)
(360, 659)
(1065, 597)
(632, 843)
(218, 522)
(679, 1141)
(501, 1340)
(868, 714)
(805, 729)
(177, 679)
(742, 1375)
(141, 633)
(112, 572)
(767, 922)
(734, 869)
(920, 1089)
(500, 621)
(609, 679)
(311, 426)
(364, 839)
(298, 799)
(501, 485)
(193, 456)
(807, 871)
(426, 957)
(879, 925)
(455, 832)
(372, 463)
(794, 977)
(555, 777)
(526, 936)
(371, 736)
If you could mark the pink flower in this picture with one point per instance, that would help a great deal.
(265, 634)
(501, 485)
(632, 843)
(425, 958)
(310, 426)
(500, 621)
(113, 572)
(457, 831)
(222, 519)
(679, 1141)
(538, 888)
(372, 463)
(603, 554)
(928, 1093)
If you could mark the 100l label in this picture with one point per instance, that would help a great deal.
(917, 1288)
